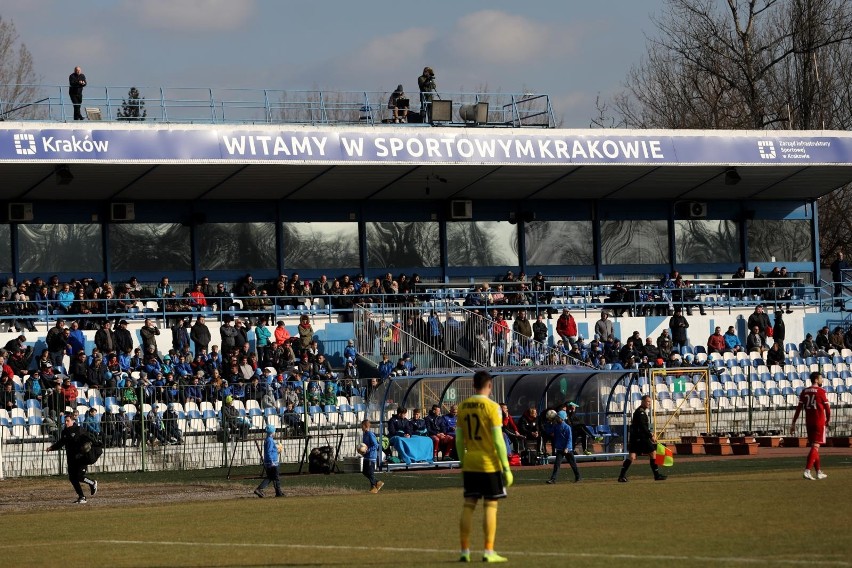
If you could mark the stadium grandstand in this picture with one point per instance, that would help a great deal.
(344, 265)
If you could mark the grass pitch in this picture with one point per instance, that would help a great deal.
(756, 512)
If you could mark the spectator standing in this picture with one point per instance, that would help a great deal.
(57, 342)
(228, 334)
(123, 339)
(180, 334)
(200, 335)
(76, 82)
(779, 330)
(306, 332)
(149, 331)
(603, 327)
(76, 338)
(523, 329)
(837, 268)
(539, 329)
(678, 326)
(105, 339)
(814, 402)
(262, 342)
(566, 327)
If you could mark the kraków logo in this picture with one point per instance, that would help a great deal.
(24, 144)
(766, 149)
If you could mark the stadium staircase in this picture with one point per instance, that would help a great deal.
(375, 334)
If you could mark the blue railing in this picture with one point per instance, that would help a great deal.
(581, 299)
(203, 105)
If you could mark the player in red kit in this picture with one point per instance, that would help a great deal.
(817, 415)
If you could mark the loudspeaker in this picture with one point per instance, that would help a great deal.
(442, 111)
(122, 212)
(461, 209)
(20, 212)
(697, 210)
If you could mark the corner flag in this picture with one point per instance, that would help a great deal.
(664, 456)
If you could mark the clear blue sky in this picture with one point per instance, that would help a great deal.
(570, 49)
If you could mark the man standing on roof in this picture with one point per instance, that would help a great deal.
(427, 85)
(76, 82)
(817, 416)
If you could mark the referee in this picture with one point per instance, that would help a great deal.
(484, 463)
(641, 440)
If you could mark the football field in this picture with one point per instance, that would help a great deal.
(757, 512)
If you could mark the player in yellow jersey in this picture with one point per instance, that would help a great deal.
(484, 463)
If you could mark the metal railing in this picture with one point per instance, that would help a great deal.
(204, 105)
(379, 332)
(488, 346)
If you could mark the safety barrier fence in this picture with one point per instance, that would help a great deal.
(204, 105)
(23, 314)
(191, 435)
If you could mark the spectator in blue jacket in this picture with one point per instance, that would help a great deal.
(563, 445)
(92, 423)
(385, 367)
(732, 341)
(270, 464)
(349, 352)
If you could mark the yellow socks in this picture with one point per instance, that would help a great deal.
(466, 522)
(489, 524)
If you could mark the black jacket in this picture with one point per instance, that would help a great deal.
(123, 340)
(678, 332)
(640, 440)
(200, 335)
(74, 86)
(74, 441)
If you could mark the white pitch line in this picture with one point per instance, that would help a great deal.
(665, 558)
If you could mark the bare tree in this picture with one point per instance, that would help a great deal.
(18, 89)
(750, 64)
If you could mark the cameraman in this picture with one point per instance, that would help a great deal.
(426, 83)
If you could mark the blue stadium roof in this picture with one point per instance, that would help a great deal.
(145, 161)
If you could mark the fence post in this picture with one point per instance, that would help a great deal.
(143, 440)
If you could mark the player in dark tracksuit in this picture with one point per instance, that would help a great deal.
(76, 443)
(641, 440)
